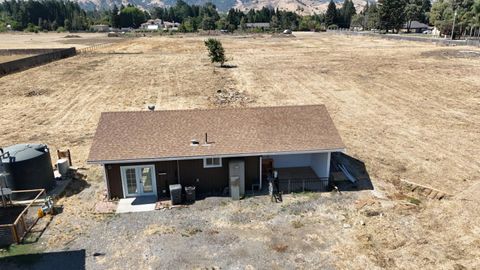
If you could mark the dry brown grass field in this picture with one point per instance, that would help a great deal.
(408, 110)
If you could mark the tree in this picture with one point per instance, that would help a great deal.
(131, 17)
(413, 12)
(208, 23)
(221, 24)
(243, 24)
(215, 51)
(274, 23)
(68, 25)
(426, 6)
(373, 17)
(346, 13)
(114, 17)
(391, 14)
(331, 14)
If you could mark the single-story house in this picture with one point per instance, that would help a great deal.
(170, 25)
(100, 28)
(415, 26)
(143, 152)
(158, 24)
(152, 25)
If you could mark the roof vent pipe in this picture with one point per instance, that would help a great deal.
(194, 142)
(151, 107)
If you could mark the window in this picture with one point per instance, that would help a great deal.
(212, 162)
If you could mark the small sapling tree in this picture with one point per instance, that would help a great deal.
(215, 51)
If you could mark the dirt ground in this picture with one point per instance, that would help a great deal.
(408, 110)
(52, 40)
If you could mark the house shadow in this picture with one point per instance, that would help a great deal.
(139, 200)
(76, 185)
(228, 66)
(71, 260)
(349, 173)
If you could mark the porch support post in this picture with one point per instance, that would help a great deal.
(105, 179)
(328, 163)
(260, 175)
(178, 171)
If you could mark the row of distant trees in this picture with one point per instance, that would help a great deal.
(42, 15)
(392, 15)
(386, 15)
(467, 19)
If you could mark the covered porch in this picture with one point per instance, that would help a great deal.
(298, 172)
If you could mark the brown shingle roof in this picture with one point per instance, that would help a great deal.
(149, 135)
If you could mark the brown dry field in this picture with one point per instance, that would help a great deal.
(18, 40)
(408, 110)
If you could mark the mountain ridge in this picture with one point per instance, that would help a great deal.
(304, 7)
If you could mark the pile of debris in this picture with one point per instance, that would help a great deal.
(229, 97)
(36, 92)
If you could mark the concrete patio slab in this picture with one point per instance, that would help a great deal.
(136, 204)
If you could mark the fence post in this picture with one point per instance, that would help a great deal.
(14, 229)
(288, 186)
(303, 185)
(23, 223)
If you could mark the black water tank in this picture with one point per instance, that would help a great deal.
(29, 166)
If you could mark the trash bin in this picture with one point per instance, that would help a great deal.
(176, 194)
(190, 194)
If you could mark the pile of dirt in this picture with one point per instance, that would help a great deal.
(36, 92)
(230, 97)
(282, 35)
(72, 36)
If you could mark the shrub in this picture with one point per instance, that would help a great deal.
(215, 51)
(297, 224)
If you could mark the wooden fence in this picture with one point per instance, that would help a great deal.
(16, 231)
(94, 48)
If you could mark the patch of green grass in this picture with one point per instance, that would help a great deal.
(414, 200)
(21, 249)
(191, 232)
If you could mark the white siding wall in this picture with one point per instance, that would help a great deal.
(320, 163)
(288, 161)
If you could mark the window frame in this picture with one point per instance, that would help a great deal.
(219, 165)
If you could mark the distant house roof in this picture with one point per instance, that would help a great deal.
(258, 25)
(147, 136)
(416, 25)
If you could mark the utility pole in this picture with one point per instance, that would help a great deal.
(453, 26)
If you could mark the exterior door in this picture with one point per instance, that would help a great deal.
(138, 180)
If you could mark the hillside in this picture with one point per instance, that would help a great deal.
(300, 6)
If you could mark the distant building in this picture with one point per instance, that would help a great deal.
(415, 26)
(258, 25)
(170, 25)
(100, 28)
(158, 24)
